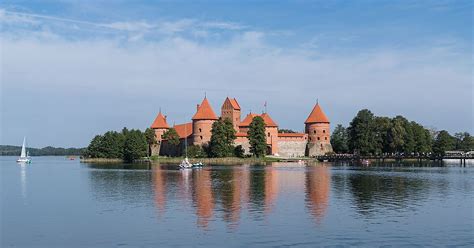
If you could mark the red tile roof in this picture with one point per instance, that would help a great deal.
(268, 120)
(291, 134)
(234, 104)
(160, 122)
(184, 130)
(317, 116)
(205, 112)
(241, 135)
(247, 120)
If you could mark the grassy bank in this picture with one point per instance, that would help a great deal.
(227, 160)
(177, 160)
(102, 160)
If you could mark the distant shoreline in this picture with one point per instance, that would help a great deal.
(9, 150)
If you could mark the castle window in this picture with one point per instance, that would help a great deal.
(309, 138)
(201, 137)
(200, 130)
(318, 138)
(268, 134)
(321, 146)
(325, 138)
(324, 131)
(314, 131)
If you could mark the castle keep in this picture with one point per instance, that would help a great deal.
(314, 141)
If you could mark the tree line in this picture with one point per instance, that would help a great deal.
(368, 134)
(7, 150)
(128, 145)
(134, 144)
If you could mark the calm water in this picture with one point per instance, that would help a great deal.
(55, 202)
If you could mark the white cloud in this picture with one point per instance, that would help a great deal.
(112, 83)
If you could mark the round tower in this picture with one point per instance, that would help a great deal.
(317, 126)
(160, 126)
(202, 123)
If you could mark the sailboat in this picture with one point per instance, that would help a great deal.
(24, 158)
(185, 164)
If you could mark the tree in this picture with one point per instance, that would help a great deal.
(382, 129)
(467, 143)
(196, 151)
(397, 134)
(340, 139)
(150, 139)
(239, 151)
(362, 137)
(222, 139)
(444, 142)
(94, 148)
(286, 131)
(172, 137)
(257, 138)
(135, 146)
(112, 145)
(422, 138)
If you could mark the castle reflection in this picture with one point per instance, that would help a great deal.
(318, 186)
(227, 192)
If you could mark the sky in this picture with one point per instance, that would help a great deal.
(73, 69)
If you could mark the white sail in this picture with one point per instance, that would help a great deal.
(23, 149)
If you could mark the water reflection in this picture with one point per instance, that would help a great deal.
(159, 186)
(318, 186)
(203, 198)
(232, 193)
(23, 181)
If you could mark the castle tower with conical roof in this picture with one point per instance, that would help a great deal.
(160, 126)
(318, 130)
(202, 123)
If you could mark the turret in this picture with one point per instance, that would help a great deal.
(318, 130)
(160, 126)
(231, 110)
(202, 123)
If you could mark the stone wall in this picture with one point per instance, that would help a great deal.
(292, 148)
(318, 148)
(244, 142)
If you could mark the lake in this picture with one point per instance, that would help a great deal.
(55, 202)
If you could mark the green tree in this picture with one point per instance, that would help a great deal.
(382, 129)
(94, 149)
(172, 137)
(397, 134)
(150, 139)
(422, 138)
(286, 131)
(444, 142)
(362, 137)
(112, 145)
(222, 139)
(239, 151)
(195, 151)
(135, 146)
(467, 143)
(257, 138)
(340, 139)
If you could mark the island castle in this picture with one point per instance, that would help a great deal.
(313, 142)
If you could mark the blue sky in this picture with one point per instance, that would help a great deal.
(73, 69)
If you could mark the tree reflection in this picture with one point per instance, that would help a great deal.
(375, 191)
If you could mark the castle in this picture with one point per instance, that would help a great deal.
(314, 141)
